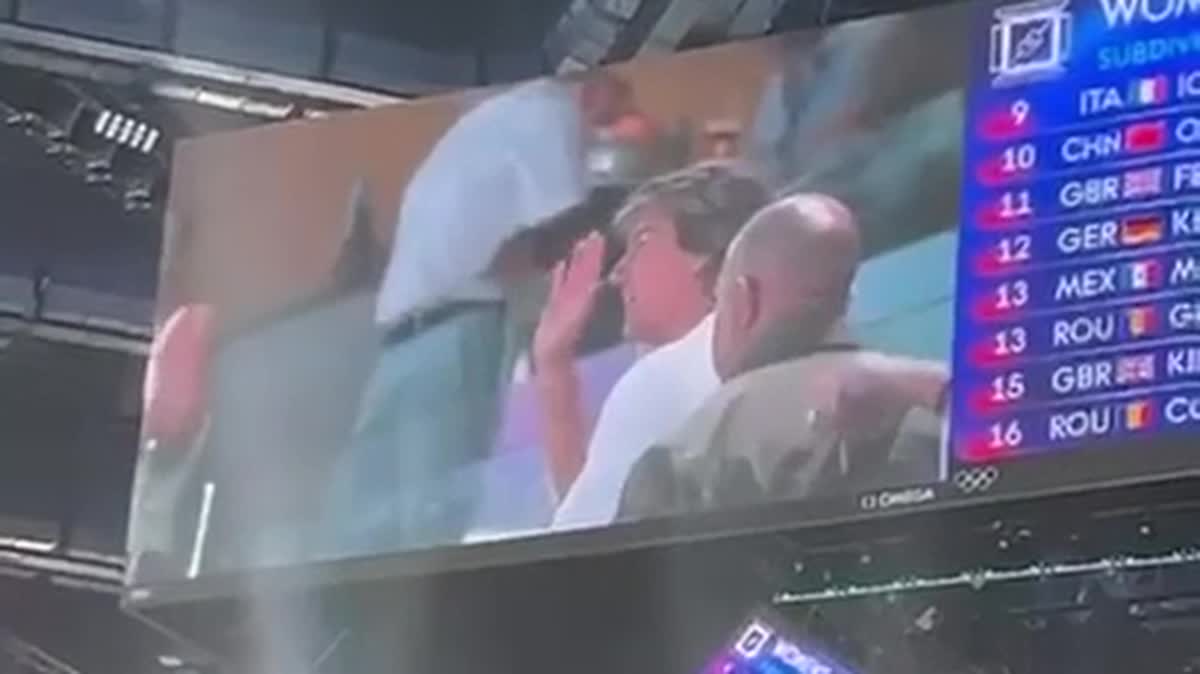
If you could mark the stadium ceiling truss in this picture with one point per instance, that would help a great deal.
(593, 32)
(589, 33)
(112, 89)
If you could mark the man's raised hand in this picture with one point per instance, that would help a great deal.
(575, 284)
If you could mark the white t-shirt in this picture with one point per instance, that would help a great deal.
(654, 398)
(512, 161)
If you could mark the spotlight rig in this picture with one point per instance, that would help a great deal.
(105, 145)
(126, 131)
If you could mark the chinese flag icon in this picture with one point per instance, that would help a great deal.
(1146, 137)
(1138, 415)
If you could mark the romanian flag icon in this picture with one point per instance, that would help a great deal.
(1142, 230)
(1140, 321)
(1138, 415)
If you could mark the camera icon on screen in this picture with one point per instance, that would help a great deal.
(1029, 41)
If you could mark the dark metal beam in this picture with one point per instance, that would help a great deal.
(591, 32)
(113, 54)
(697, 22)
(755, 18)
(329, 28)
(680, 17)
(594, 32)
(170, 24)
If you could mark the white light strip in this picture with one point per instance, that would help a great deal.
(139, 134)
(151, 141)
(114, 127)
(126, 131)
(102, 121)
(83, 570)
(27, 544)
(982, 578)
(234, 103)
(201, 530)
(82, 337)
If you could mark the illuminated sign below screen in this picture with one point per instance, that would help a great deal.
(1078, 310)
(762, 648)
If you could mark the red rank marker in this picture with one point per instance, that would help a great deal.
(1009, 210)
(1014, 120)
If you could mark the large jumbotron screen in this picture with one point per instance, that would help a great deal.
(915, 260)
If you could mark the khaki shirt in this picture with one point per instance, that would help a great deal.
(822, 423)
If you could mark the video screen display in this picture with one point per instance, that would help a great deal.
(917, 259)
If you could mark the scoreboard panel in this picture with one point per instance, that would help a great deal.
(1078, 302)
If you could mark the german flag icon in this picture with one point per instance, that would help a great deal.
(1142, 230)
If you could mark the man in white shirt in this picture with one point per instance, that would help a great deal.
(676, 230)
(507, 167)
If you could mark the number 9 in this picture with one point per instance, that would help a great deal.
(1020, 111)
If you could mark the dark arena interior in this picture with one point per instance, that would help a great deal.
(129, 127)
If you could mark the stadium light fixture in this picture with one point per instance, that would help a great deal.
(126, 131)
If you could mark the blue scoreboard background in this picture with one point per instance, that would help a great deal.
(1078, 303)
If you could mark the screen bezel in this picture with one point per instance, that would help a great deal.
(1101, 465)
(1098, 469)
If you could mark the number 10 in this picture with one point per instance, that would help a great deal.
(1019, 158)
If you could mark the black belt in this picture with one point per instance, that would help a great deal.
(417, 322)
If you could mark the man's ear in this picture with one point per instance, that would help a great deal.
(749, 301)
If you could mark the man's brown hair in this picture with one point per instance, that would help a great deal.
(709, 203)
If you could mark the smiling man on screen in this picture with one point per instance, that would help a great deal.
(676, 229)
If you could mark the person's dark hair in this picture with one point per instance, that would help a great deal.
(709, 203)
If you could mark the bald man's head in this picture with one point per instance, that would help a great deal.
(785, 283)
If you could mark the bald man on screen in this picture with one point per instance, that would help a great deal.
(803, 410)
